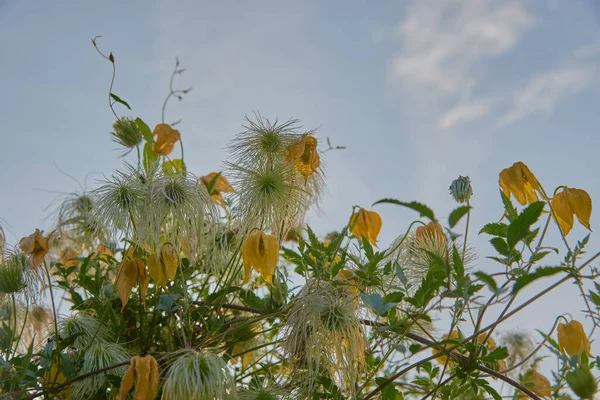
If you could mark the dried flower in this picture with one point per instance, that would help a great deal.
(538, 384)
(36, 246)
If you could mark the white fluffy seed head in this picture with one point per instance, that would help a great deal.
(324, 336)
(198, 375)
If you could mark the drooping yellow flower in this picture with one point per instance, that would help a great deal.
(305, 156)
(162, 266)
(519, 181)
(165, 140)
(132, 271)
(54, 376)
(247, 357)
(66, 258)
(572, 339)
(538, 384)
(571, 202)
(367, 224)
(261, 252)
(143, 374)
(36, 246)
(220, 186)
(432, 229)
(453, 336)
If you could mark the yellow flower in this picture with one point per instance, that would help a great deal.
(54, 376)
(304, 155)
(538, 384)
(572, 339)
(519, 181)
(453, 336)
(166, 137)
(247, 356)
(66, 258)
(143, 373)
(432, 229)
(37, 246)
(261, 252)
(130, 272)
(221, 185)
(162, 266)
(367, 224)
(572, 201)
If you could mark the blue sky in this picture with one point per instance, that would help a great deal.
(419, 92)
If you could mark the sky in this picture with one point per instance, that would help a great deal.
(418, 92)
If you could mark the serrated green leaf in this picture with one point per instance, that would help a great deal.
(145, 129)
(457, 214)
(422, 209)
(119, 100)
(499, 353)
(457, 262)
(495, 229)
(535, 257)
(595, 298)
(511, 211)
(542, 272)
(487, 279)
(519, 228)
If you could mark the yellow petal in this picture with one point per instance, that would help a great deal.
(144, 281)
(572, 339)
(126, 280)
(142, 378)
(155, 270)
(367, 224)
(246, 250)
(169, 260)
(519, 181)
(166, 137)
(261, 253)
(271, 256)
(127, 381)
(581, 204)
(563, 212)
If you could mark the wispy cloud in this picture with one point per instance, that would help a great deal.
(444, 44)
(546, 90)
(465, 112)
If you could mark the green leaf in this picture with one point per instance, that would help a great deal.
(119, 100)
(511, 211)
(500, 245)
(376, 303)
(400, 273)
(150, 159)
(542, 272)
(422, 209)
(174, 167)
(459, 267)
(487, 279)
(595, 298)
(457, 214)
(491, 391)
(495, 229)
(535, 257)
(519, 228)
(499, 353)
(145, 129)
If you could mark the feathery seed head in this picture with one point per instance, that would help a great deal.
(126, 133)
(324, 336)
(198, 375)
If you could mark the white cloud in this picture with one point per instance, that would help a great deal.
(545, 91)
(445, 43)
(465, 112)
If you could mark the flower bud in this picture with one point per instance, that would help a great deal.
(582, 382)
(461, 189)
